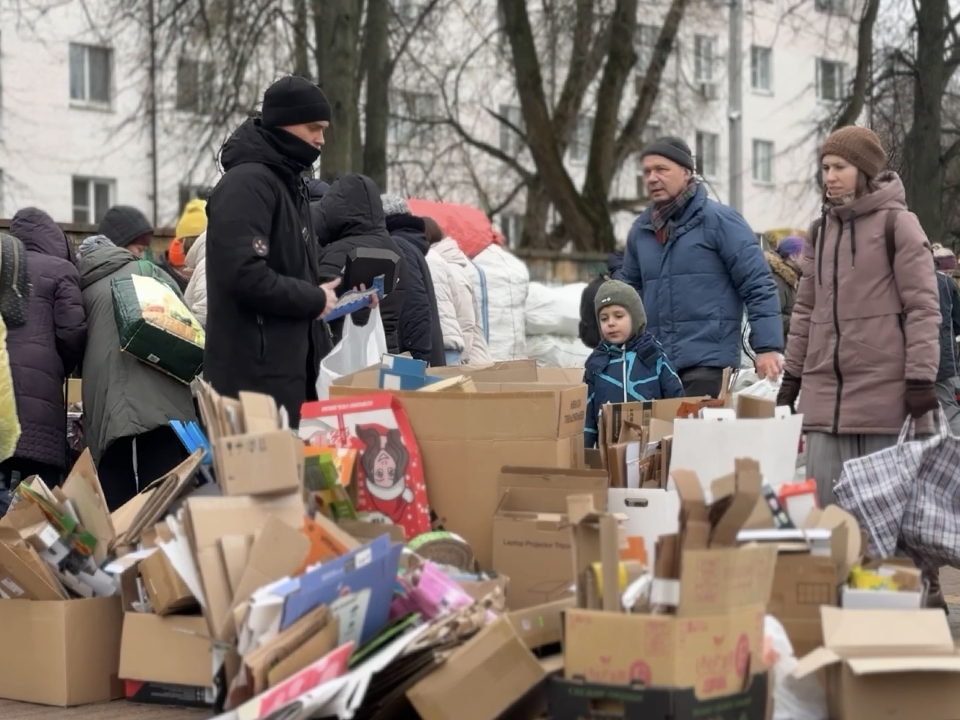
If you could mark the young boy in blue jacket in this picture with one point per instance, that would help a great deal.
(629, 365)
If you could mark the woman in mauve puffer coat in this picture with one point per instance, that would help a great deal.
(45, 350)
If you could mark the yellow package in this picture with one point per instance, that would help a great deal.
(861, 579)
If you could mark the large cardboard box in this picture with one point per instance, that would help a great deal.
(174, 650)
(532, 543)
(891, 664)
(516, 417)
(61, 652)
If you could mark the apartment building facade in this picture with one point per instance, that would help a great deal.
(80, 129)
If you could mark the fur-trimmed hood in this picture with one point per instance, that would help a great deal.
(783, 269)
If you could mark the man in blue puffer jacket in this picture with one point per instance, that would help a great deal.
(696, 264)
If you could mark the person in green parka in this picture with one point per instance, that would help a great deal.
(127, 404)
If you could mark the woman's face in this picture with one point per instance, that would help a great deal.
(384, 470)
(839, 176)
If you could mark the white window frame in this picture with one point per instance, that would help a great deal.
(408, 112)
(839, 69)
(647, 36)
(650, 133)
(510, 142)
(204, 74)
(708, 158)
(768, 149)
(578, 151)
(85, 100)
(761, 69)
(90, 208)
(704, 58)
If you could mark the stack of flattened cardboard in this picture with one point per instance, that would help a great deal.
(53, 544)
(696, 635)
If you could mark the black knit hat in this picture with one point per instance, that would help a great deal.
(123, 224)
(672, 148)
(294, 101)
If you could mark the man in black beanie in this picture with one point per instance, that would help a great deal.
(263, 288)
(696, 264)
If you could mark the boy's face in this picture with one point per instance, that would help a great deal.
(615, 324)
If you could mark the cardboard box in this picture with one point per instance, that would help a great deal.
(895, 664)
(166, 590)
(481, 679)
(541, 625)
(532, 543)
(265, 463)
(651, 514)
(519, 416)
(61, 652)
(713, 643)
(173, 650)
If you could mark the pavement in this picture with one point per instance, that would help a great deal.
(117, 710)
(950, 583)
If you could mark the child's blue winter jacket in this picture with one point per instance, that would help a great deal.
(636, 371)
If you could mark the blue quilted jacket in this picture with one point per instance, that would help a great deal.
(636, 371)
(694, 287)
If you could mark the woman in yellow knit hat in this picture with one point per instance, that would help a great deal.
(192, 223)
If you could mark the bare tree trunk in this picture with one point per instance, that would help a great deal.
(924, 175)
(338, 58)
(377, 111)
(535, 217)
(301, 53)
(861, 78)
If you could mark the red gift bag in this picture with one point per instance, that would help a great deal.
(390, 485)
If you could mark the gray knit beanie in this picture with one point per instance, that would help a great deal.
(614, 292)
(394, 205)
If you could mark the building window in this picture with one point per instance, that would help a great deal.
(650, 133)
(412, 118)
(830, 80)
(647, 36)
(510, 142)
(90, 74)
(708, 154)
(830, 6)
(763, 162)
(92, 197)
(511, 227)
(704, 57)
(579, 148)
(761, 69)
(194, 86)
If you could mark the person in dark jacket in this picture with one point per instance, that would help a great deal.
(629, 365)
(45, 350)
(589, 329)
(785, 266)
(127, 404)
(420, 333)
(351, 216)
(697, 264)
(947, 371)
(263, 283)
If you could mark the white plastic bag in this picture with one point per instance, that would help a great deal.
(359, 348)
(793, 699)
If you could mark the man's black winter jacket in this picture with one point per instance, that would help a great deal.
(263, 289)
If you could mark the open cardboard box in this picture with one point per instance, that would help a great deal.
(519, 416)
(894, 664)
(532, 543)
(711, 645)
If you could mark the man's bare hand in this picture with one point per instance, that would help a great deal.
(374, 299)
(769, 365)
(329, 288)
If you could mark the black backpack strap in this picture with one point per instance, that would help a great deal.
(890, 235)
(813, 232)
